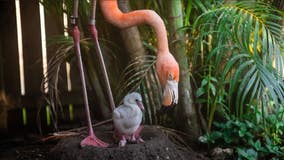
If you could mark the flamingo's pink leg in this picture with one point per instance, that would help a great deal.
(94, 34)
(137, 135)
(91, 140)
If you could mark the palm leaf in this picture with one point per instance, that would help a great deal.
(250, 41)
(133, 74)
(140, 75)
(64, 53)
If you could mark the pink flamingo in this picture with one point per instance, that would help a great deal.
(167, 67)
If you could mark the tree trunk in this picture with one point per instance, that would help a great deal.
(185, 110)
(131, 36)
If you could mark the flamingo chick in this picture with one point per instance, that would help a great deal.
(127, 119)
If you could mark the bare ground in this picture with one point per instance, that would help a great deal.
(157, 146)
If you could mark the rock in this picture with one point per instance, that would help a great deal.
(221, 154)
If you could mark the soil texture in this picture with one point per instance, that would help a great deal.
(157, 146)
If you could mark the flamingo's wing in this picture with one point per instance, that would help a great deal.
(125, 120)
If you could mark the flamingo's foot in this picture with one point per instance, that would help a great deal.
(136, 139)
(132, 138)
(92, 140)
(139, 140)
(122, 142)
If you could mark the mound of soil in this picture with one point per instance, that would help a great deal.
(157, 146)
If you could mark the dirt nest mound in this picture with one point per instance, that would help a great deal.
(157, 146)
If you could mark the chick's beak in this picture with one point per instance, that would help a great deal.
(170, 93)
(140, 105)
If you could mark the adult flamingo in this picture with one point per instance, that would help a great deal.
(167, 67)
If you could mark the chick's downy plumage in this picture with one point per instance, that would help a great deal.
(128, 117)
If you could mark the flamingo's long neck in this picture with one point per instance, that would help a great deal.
(113, 15)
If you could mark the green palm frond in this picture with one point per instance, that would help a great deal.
(50, 82)
(248, 38)
(51, 77)
(140, 75)
(133, 75)
(64, 47)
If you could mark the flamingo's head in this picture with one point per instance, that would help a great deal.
(134, 98)
(168, 73)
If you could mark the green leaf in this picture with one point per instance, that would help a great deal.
(213, 89)
(200, 92)
(249, 154)
(257, 145)
(204, 82)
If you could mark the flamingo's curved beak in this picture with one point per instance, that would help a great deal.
(170, 93)
(140, 105)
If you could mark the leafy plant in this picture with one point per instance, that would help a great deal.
(250, 137)
(209, 94)
(238, 50)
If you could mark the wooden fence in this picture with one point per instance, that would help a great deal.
(22, 110)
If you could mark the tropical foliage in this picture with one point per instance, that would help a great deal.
(250, 139)
(244, 56)
(235, 53)
(238, 60)
(234, 59)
